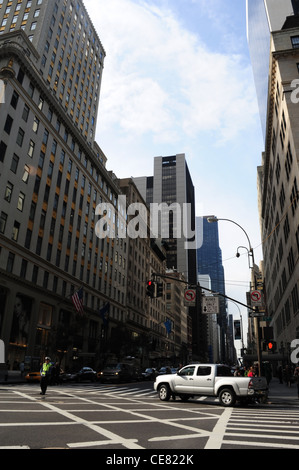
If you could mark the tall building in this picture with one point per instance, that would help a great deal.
(263, 17)
(278, 179)
(209, 262)
(69, 56)
(172, 184)
(145, 316)
(52, 178)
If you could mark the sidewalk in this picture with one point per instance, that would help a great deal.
(281, 394)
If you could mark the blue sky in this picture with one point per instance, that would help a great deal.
(178, 79)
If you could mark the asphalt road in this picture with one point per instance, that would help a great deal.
(131, 417)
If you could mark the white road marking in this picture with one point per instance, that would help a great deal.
(216, 437)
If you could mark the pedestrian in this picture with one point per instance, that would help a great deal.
(251, 372)
(287, 375)
(45, 375)
(280, 374)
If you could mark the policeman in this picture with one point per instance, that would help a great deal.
(45, 373)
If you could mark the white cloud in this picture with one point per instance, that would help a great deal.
(159, 78)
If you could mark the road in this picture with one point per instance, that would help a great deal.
(131, 417)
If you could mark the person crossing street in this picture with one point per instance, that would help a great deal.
(45, 375)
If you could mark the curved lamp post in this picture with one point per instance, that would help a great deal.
(250, 251)
(250, 255)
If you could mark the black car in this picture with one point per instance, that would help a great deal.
(149, 374)
(86, 373)
(120, 372)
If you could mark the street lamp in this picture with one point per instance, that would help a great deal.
(250, 251)
(250, 254)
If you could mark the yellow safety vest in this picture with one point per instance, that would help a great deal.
(46, 368)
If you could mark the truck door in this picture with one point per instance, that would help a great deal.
(184, 380)
(204, 380)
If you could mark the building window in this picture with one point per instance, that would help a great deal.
(28, 239)
(25, 113)
(39, 246)
(34, 274)
(294, 197)
(14, 100)
(15, 231)
(26, 173)
(10, 262)
(8, 192)
(3, 148)
(295, 42)
(8, 124)
(23, 269)
(20, 137)
(21, 201)
(35, 125)
(295, 300)
(14, 163)
(31, 149)
(3, 220)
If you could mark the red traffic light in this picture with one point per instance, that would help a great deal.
(150, 290)
(271, 346)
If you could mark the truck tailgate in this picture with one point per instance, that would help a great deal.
(259, 383)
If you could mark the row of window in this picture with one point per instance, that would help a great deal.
(285, 315)
(99, 283)
(53, 284)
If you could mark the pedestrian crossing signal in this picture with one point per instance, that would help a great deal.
(150, 290)
(271, 346)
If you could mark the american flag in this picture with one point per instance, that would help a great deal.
(77, 299)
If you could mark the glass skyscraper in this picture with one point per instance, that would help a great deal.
(209, 262)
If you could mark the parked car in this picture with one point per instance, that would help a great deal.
(167, 370)
(86, 373)
(149, 374)
(120, 372)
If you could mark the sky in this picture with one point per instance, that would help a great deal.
(178, 79)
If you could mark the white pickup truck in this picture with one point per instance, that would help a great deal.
(211, 380)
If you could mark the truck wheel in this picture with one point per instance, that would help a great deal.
(164, 392)
(227, 397)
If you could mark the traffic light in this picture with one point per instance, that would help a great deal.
(271, 346)
(160, 289)
(150, 290)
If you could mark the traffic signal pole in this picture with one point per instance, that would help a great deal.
(155, 275)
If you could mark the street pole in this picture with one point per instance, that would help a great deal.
(250, 254)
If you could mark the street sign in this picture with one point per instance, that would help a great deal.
(256, 297)
(190, 297)
(210, 305)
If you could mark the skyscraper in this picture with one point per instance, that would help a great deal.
(172, 184)
(209, 262)
(52, 177)
(263, 17)
(69, 55)
(278, 175)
